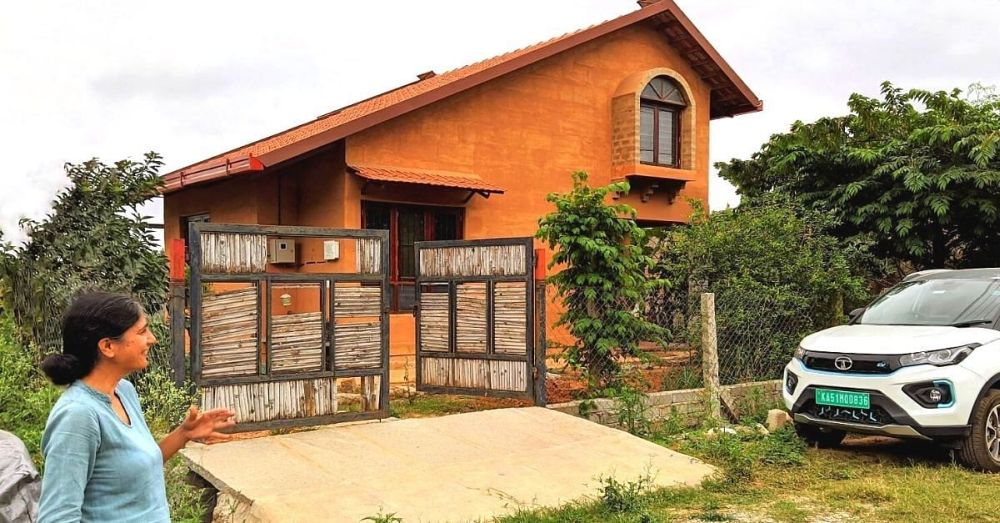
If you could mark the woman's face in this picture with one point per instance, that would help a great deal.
(132, 348)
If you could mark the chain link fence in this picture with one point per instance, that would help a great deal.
(756, 330)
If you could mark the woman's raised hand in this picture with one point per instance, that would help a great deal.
(205, 427)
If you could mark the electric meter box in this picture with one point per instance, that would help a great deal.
(331, 250)
(281, 251)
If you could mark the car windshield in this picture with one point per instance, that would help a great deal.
(936, 302)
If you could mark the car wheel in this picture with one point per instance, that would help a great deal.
(981, 448)
(822, 437)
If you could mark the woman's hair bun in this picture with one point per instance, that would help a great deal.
(63, 369)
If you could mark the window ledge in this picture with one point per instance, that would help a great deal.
(657, 172)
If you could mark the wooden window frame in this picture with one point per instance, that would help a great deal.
(198, 217)
(397, 282)
(676, 111)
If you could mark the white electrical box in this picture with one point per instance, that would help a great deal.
(281, 251)
(331, 250)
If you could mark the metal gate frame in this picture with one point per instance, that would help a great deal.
(534, 356)
(327, 295)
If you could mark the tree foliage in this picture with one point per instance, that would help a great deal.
(94, 237)
(603, 278)
(776, 274)
(917, 172)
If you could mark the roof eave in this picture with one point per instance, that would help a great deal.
(377, 117)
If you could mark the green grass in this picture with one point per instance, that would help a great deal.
(872, 479)
(427, 405)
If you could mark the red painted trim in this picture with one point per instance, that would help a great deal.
(180, 179)
(177, 260)
(540, 264)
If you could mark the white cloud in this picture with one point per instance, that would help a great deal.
(189, 79)
(27, 196)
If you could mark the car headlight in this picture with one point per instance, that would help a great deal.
(800, 353)
(939, 358)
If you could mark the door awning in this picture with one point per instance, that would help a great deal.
(464, 181)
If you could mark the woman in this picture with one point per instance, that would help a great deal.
(101, 461)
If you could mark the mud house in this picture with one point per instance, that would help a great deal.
(472, 152)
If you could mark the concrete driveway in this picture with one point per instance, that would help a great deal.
(453, 468)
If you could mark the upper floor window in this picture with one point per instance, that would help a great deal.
(660, 109)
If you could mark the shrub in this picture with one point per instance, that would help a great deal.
(776, 274)
(624, 496)
(26, 396)
(603, 279)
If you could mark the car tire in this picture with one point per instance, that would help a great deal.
(980, 450)
(821, 437)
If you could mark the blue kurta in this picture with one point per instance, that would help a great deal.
(97, 468)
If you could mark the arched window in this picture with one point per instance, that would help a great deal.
(660, 109)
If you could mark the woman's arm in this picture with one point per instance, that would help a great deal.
(72, 437)
(197, 426)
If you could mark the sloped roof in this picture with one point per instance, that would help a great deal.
(466, 181)
(730, 95)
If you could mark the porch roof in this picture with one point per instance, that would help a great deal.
(465, 181)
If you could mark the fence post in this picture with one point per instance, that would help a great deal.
(175, 308)
(837, 307)
(710, 356)
(540, 329)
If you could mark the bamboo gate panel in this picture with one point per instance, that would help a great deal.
(510, 326)
(358, 328)
(435, 322)
(234, 253)
(283, 369)
(297, 342)
(264, 402)
(230, 333)
(478, 337)
(471, 329)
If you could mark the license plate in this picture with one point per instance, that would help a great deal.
(843, 398)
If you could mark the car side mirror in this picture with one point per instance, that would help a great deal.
(853, 315)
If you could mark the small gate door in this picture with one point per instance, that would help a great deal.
(476, 318)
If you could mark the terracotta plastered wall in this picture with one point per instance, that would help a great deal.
(231, 201)
(529, 130)
(526, 132)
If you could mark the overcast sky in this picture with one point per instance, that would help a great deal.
(114, 79)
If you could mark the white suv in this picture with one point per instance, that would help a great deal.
(922, 361)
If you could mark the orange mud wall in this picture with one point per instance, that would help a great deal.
(526, 132)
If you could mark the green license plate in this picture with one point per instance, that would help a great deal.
(843, 398)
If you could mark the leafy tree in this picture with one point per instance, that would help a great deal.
(93, 237)
(776, 274)
(916, 172)
(603, 278)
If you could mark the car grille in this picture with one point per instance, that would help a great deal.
(860, 363)
(874, 416)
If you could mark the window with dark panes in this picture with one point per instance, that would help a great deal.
(408, 224)
(660, 109)
(185, 222)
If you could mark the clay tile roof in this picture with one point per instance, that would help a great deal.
(467, 181)
(730, 96)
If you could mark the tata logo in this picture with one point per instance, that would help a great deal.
(843, 363)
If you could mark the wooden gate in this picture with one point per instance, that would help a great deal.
(289, 325)
(476, 319)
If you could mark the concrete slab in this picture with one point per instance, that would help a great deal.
(453, 468)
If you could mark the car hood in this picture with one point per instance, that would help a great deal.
(894, 339)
